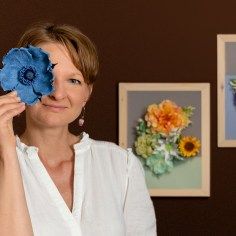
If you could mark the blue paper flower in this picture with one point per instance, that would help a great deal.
(29, 72)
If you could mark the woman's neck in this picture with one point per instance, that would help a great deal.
(55, 145)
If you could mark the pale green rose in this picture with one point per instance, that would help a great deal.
(145, 145)
(158, 164)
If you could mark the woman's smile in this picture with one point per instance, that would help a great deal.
(55, 108)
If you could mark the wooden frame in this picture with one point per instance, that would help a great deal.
(133, 96)
(226, 70)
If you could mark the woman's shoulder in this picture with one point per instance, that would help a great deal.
(109, 147)
(106, 146)
(103, 144)
(113, 151)
(119, 156)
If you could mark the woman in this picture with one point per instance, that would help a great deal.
(53, 182)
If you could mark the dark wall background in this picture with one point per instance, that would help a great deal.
(147, 41)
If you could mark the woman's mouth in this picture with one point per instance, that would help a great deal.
(54, 108)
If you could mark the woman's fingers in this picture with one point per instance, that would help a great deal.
(10, 97)
(5, 107)
(10, 106)
(9, 100)
(11, 94)
(10, 113)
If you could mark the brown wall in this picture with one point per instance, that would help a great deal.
(147, 41)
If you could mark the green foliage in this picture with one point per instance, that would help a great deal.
(158, 164)
(232, 82)
(188, 111)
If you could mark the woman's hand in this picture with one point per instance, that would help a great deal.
(13, 206)
(10, 106)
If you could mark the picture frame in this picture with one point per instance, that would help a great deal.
(226, 97)
(193, 177)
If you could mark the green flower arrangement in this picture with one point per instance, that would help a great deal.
(159, 141)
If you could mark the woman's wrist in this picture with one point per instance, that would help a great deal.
(8, 156)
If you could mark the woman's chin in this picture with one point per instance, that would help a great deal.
(49, 122)
(50, 119)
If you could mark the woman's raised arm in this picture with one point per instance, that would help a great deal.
(14, 215)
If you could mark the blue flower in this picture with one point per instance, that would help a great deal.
(29, 72)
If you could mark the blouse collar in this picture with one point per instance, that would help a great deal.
(81, 146)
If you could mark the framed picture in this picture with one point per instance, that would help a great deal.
(187, 176)
(226, 90)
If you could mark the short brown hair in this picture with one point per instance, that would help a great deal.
(82, 51)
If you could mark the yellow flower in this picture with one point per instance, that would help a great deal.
(166, 117)
(189, 146)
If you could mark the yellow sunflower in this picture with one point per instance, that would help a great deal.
(189, 146)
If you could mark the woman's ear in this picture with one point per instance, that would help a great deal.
(90, 89)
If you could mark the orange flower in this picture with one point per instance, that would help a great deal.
(166, 117)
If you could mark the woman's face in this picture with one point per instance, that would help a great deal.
(71, 92)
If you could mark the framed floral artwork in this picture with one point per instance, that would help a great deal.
(226, 89)
(167, 125)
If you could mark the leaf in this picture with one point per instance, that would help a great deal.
(158, 165)
(188, 111)
(232, 82)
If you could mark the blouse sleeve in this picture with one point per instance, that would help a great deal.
(138, 207)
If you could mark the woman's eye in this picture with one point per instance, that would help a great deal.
(75, 81)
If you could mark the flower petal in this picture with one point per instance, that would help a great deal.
(43, 84)
(19, 60)
(9, 77)
(40, 59)
(17, 56)
(27, 94)
(38, 53)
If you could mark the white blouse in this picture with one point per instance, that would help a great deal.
(110, 196)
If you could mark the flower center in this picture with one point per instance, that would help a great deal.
(27, 75)
(189, 146)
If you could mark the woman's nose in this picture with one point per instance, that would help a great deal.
(59, 90)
